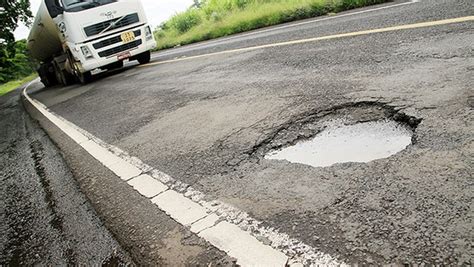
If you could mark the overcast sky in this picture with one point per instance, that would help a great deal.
(157, 12)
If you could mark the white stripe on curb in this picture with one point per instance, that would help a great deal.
(180, 208)
(147, 186)
(231, 239)
(218, 223)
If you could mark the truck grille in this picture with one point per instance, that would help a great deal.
(121, 48)
(99, 27)
(113, 40)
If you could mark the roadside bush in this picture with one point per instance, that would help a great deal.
(185, 21)
(222, 6)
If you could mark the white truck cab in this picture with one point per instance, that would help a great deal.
(71, 38)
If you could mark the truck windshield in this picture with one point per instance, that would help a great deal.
(79, 5)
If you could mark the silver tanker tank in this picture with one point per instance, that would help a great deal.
(43, 41)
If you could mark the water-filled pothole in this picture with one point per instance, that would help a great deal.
(340, 143)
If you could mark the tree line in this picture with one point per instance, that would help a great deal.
(14, 60)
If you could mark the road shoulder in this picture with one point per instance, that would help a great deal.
(45, 217)
(148, 234)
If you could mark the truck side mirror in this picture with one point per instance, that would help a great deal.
(54, 8)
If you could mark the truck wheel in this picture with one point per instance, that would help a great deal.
(63, 77)
(46, 80)
(144, 58)
(85, 77)
(47, 76)
(69, 78)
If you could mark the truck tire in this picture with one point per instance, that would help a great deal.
(144, 58)
(69, 78)
(62, 76)
(47, 81)
(84, 78)
(46, 74)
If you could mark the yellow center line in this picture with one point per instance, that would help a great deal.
(329, 37)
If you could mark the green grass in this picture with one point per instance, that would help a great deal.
(217, 18)
(12, 85)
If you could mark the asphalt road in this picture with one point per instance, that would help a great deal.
(208, 121)
(45, 219)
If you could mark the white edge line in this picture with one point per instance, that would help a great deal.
(224, 226)
(225, 39)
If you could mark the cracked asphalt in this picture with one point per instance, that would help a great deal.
(208, 122)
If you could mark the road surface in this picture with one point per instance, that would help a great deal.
(206, 114)
(45, 219)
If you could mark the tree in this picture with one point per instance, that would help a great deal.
(12, 12)
(19, 65)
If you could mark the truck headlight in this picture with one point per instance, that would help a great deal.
(86, 52)
(148, 33)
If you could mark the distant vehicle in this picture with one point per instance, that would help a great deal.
(72, 38)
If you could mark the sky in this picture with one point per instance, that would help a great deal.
(157, 11)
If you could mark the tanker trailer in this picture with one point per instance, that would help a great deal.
(73, 38)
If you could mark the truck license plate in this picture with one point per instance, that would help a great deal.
(127, 37)
(124, 56)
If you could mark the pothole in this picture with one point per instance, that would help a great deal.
(340, 143)
(354, 132)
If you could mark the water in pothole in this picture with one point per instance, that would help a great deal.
(362, 142)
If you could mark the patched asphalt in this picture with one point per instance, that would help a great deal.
(208, 122)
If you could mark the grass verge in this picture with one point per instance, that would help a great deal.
(12, 85)
(217, 18)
